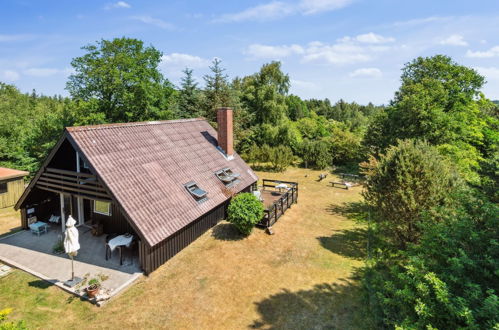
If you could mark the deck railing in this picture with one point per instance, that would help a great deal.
(277, 209)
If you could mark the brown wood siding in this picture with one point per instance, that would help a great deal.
(152, 258)
(115, 223)
(15, 188)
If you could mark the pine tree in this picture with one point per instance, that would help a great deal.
(217, 92)
(188, 104)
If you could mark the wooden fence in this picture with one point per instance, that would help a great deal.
(277, 209)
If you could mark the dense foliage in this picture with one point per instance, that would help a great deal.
(449, 280)
(434, 249)
(120, 81)
(245, 211)
(409, 179)
(439, 101)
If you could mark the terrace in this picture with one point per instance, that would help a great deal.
(278, 196)
(36, 255)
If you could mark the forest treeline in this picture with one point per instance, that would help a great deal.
(119, 81)
(430, 158)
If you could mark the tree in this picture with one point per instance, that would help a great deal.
(449, 280)
(296, 107)
(245, 211)
(217, 92)
(265, 93)
(316, 153)
(123, 78)
(408, 180)
(189, 98)
(281, 157)
(436, 102)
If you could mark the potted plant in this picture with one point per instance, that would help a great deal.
(93, 287)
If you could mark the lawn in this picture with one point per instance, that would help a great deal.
(10, 221)
(302, 277)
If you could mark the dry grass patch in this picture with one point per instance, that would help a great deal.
(10, 220)
(302, 277)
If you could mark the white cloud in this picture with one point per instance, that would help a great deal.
(184, 61)
(279, 9)
(269, 11)
(366, 73)
(493, 52)
(47, 72)
(9, 75)
(421, 21)
(154, 21)
(119, 4)
(317, 6)
(339, 53)
(490, 73)
(346, 50)
(368, 38)
(454, 40)
(301, 84)
(273, 52)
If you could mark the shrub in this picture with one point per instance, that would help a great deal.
(450, 279)
(281, 157)
(245, 211)
(409, 179)
(6, 325)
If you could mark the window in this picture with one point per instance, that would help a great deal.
(103, 208)
(196, 192)
(227, 176)
(3, 187)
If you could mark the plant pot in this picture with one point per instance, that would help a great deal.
(92, 291)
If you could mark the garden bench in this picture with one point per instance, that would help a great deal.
(346, 185)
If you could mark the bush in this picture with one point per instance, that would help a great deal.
(409, 179)
(281, 157)
(245, 211)
(450, 279)
(6, 325)
(316, 154)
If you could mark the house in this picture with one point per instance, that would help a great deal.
(11, 186)
(159, 181)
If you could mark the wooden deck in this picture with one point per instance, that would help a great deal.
(269, 197)
(276, 201)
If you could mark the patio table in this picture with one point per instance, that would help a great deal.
(281, 186)
(119, 242)
(38, 228)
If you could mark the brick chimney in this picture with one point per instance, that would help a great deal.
(225, 131)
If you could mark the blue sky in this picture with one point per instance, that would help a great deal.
(350, 49)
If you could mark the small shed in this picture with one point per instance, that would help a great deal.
(11, 186)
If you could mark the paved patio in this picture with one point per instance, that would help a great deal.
(35, 255)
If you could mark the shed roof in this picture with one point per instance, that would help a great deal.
(9, 173)
(146, 165)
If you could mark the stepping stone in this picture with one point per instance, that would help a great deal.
(4, 270)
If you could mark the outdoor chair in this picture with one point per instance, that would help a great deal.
(54, 219)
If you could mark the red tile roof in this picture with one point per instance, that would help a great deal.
(9, 173)
(145, 166)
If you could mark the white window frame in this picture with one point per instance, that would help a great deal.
(103, 213)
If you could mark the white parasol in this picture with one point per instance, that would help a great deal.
(71, 244)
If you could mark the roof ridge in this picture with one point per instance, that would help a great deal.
(131, 124)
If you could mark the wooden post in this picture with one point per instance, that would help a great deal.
(275, 213)
(63, 214)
